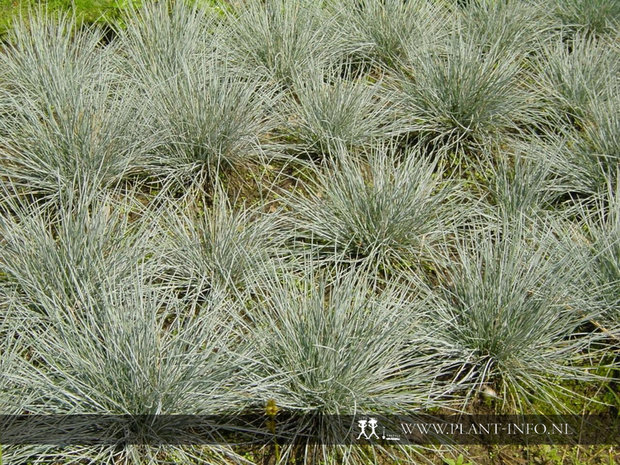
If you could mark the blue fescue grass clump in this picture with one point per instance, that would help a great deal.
(575, 76)
(459, 94)
(109, 355)
(207, 248)
(280, 39)
(378, 209)
(596, 17)
(330, 111)
(329, 342)
(332, 344)
(338, 207)
(57, 256)
(204, 117)
(65, 122)
(381, 32)
(595, 240)
(507, 317)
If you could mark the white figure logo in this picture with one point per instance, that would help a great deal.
(362, 424)
(372, 424)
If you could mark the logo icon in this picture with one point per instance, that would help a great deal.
(368, 430)
(364, 425)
